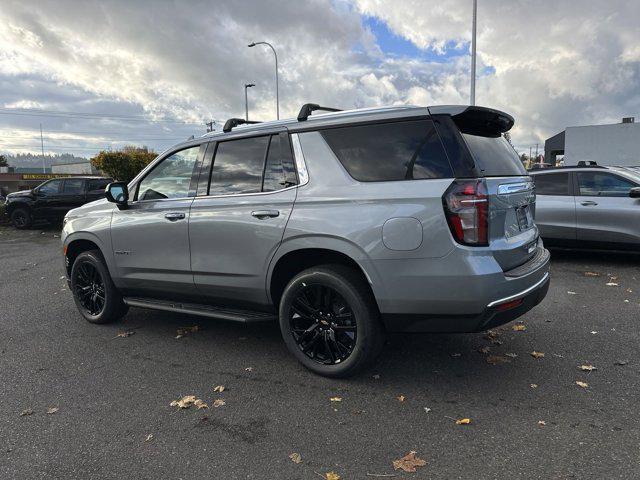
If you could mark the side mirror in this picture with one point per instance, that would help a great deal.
(118, 193)
(634, 192)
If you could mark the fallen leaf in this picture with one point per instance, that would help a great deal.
(512, 355)
(409, 462)
(484, 350)
(612, 278)
(200, 404)
(26, 412)
(534, 385)
(427, 409)
(497, 359)
(582, 384)
(218, 403)
(454, 355)
(400, 398)
(376, 377)
(611, 284)
(125, 334)
(535, 354)
(332, 476)
(591, 274)
(248, 369)
(621, 362)
(149, 437)
(629, 290)
(52, 410)
(336, 399)
(519, 328)
(181, 332)
(542, 423)
(463, 421)
(571, 293)
(295, 457)
(219, 388)
(587, 368)
(593, 332)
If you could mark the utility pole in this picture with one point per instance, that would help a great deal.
(529, 153)
(537, 152)
(473, 52)
(246, 101)
(44, 168)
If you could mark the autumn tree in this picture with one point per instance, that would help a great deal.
(123, 164)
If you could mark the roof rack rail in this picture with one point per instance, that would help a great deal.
(234, 122)
(587, 163)
(307, 108)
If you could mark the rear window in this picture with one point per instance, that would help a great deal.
(390, 151)
(552, 183)
(494, 156)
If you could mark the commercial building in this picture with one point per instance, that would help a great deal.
(615, 144)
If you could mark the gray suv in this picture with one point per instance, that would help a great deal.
(342, 225)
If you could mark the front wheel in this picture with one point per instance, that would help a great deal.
(21, 218)
(94, 293)
(330, 321)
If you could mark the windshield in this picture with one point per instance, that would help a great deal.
(494, 156)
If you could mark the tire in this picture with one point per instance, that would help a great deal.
(320, 333)
(21, 218)
(94, 293)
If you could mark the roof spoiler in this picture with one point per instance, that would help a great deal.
(234, 122)
(307, 108)
(483, 121)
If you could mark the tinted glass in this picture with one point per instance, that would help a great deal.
(99, 184)
(237, 166)
(603, 184)
(50, 187)
(390, 151)
(171, 177)
(73, 187)
(552, 184)
(278, 171)
(494, 156)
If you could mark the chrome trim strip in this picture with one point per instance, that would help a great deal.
(303, 173)
(508, 188)
(522, 293)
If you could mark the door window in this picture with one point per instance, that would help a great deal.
(552, 184)
(390, 151)
(73, 187)
(603, 184)
(171, 177)
(98, 184)
(50, 188)
(238, 165)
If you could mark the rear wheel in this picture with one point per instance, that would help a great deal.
(21, 218)
(330, 321)
(94, 293)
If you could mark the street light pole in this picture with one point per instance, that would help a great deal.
(253, 44)
(246, 100)
(44, 168)
(473, 52)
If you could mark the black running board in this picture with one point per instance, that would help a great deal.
(242, 316)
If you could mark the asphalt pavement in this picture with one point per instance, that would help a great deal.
(528, 416)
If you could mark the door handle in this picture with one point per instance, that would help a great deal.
(262, 214)
(173, 216)
(589, 203)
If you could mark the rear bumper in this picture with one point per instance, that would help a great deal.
(506, 297)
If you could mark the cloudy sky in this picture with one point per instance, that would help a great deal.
(99, 74)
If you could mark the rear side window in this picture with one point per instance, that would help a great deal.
(390, 151)
(279, 171)
(494, 156)
(99, 184)
(73, 186)
(552, 184)
(237, 166)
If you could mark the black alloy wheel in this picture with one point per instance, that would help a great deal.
(21, 218)
(89, 288)
(322, 324)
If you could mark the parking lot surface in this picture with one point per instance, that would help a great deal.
(528, 416)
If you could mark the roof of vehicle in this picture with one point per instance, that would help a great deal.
(82, 177)
(633, 172)
(360, 114)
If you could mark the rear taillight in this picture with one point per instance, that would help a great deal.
(466, 206)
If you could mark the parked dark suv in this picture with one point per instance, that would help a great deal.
(53, 199)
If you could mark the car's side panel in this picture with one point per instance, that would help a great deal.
(608, 219)
(555, 216)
